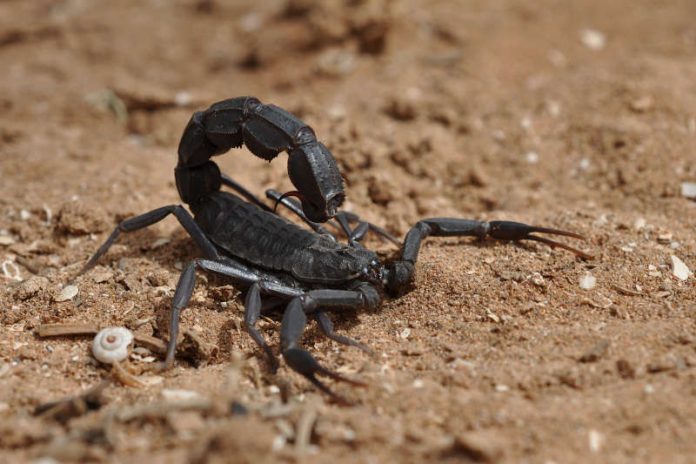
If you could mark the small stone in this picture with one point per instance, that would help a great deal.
(6, 240)
(401, 109)
(532, 157)
(588, 281)
(679, 269)
(336, 62)
(31, 287)
(688, 189)
(160, 242)
(596, 352)
(68, 293)
(642, 104)
(639, 223)
(593, 39)
(405, 333)
(538, 280)
(102, 276)
(595, 440)
(625, 369)
(664, 238)
(75, 218)
(179, 395)
(481, 446)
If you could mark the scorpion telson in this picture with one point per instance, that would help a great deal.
(275, 261)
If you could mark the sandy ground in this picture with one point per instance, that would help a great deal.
(571, 114)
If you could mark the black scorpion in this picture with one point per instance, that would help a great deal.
(270, 256)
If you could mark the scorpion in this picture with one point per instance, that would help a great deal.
(275, 260)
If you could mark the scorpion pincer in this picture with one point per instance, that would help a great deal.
(276, 261)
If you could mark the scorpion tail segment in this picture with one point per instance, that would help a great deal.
(508, 230)
(314, 172)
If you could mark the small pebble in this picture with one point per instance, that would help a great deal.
(593, 39)
(6, 240)
(532, 157)
(642, 104)
(405, 333)
(179, 395)
(588, 281)
(639, 223)
(664, 238)
(688, 189)
(538, 280)
(595, 440)
(68, 293)
(159, 243)
(679, 269)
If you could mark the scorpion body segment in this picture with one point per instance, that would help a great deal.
(266, 130)
(273, 243)
(270, 257)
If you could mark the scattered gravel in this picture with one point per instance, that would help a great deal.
(593, 39)
(679, 269)
(68, 293)
(688, 189)
(588, 281)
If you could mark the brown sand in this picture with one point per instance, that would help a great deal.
(483, 109)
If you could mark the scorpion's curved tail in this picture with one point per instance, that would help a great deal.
(266, 130)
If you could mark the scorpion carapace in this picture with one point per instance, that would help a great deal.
(266, 130)
(276, 261)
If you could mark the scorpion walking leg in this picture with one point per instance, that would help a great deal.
(342, 221)
(229, 268)
(363, 227)
(296, 208)
(327, 328)
(252, 312)
(401, 272)
(295, 320)
(152, 217)
(243, 191)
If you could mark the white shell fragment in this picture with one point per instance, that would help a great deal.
(68, 293)
(111, 344)
(588, 281)
(679, 269)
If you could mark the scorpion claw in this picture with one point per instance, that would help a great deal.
(509, 230)
(302, 362)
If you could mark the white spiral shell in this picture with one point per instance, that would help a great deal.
(111, 344)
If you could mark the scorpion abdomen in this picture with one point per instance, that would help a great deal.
(247, 232)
